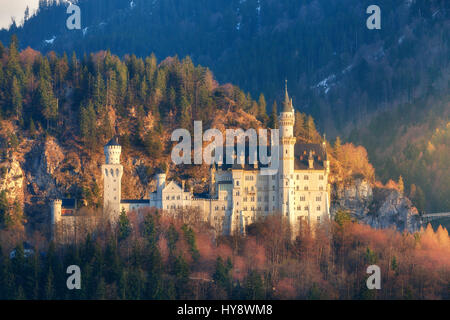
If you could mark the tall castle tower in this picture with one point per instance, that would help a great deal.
(286, 171)
(112, 172)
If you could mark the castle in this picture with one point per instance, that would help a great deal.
(239, 194)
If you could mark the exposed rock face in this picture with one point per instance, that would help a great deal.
(377, 207)
(11, 180)
(43, 161)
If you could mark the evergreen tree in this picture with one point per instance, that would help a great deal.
(273, 119)
(16, 100)
(124, 227)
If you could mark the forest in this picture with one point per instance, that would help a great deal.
(151, 256)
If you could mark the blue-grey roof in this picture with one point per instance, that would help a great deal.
(113, 142)
(132, 201)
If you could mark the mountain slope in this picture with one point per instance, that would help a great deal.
(338, 70)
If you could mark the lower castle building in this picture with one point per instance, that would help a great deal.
(239, 194)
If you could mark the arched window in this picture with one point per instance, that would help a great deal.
(112, 172)
(117, 172)
(106, 172)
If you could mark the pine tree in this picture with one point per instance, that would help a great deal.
(47, 101)
(49, 286)
(273, 119)
(299, 125)
(88, 127)
(32, 128)
(124, 227)
(16, 100)
(337, 147)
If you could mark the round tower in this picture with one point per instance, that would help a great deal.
(112, 172)
(160, 182)
(56, 210)
(286, 170)
(112, 151)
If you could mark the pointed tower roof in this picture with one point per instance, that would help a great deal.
(113, 142)
(287, 104)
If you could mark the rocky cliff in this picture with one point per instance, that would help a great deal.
(377, 206)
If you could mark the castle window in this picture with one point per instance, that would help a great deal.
(318, 198)
(318, 219)
(273, 188)
(298, 177)
(302, 198)
(298, 188)
(168, 198)
(106, 172)
(178, 197)
(306, 188)
(320, 177)
(306, 208)
(216, 208)
(321, 188)
(117, 172)
(253, 199)
(245, 199)
(237, 182)
(318, 208)
(112, 172)
(306, 177)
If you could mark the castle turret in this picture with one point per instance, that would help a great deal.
(112, 151)
(112, 172)
(286, 170)
(55, 216)
(55, 211)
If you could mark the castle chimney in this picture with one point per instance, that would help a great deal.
(311, 160)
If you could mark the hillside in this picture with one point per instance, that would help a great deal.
(413, 142)
(339, 71)
(357, 83)
(57, 115)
